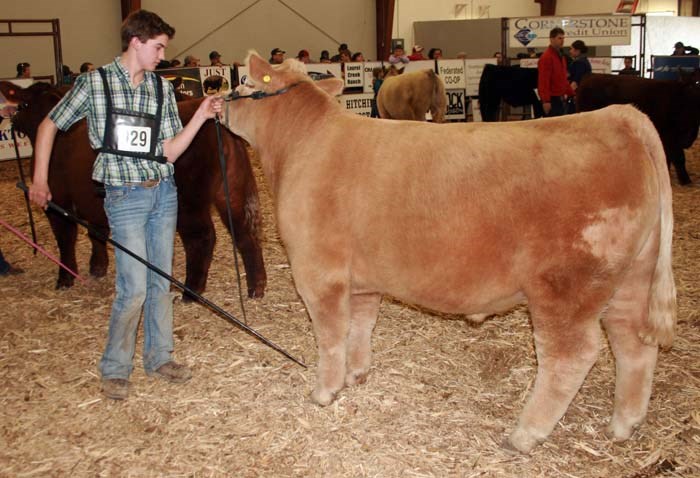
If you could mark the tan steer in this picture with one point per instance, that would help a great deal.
(472, 219)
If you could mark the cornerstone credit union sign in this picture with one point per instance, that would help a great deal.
(595, 30)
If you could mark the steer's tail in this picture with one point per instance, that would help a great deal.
(661, 323)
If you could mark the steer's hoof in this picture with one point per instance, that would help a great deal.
(619, 433)
(322, 397)
(355, 378)
(519, 442)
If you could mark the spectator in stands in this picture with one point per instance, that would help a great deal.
(398, 56)
(343, 47)
(175, 63)
(462, 55)
(163, 64)
(417, 54)
(215, 58)
(325, 57)
(629, 69)
(344, 56)
(532, 53)
(679, 49)
(276, 56)
(358, 56)
(499, 57)
(580, 66)
(191, 61)
(303, 56)
(377, 80)
(435, 54)
(552, 83)
(24, 70)
(87, 67)
(68, 76)
(6, 268)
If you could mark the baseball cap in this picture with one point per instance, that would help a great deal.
(679, 45)
(276, 51)
(214, 54)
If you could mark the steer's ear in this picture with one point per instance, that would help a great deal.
(332, 86)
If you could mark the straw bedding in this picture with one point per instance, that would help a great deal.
(441, 396)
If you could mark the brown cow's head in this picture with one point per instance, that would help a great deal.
(33, 104)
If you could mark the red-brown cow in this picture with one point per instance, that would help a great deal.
(199, 181)
(473, 219)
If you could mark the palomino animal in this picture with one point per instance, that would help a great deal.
(197, 174)
(474, 219)
(672, 105)
(409, 96)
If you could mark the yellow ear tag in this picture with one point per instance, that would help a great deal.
(266, 79)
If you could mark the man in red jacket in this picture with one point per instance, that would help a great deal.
(552, 84)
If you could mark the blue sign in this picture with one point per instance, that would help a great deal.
(668, 67)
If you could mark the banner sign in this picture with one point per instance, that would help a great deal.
(474, 69)
(354, 75)
(598, 65)
(369, 67)
(360, 103)
(456, 105)
(595, 30)
(601, 65)
(666, 67)
(186, 81)
(7, 145)
(319, 71)
(452, 73)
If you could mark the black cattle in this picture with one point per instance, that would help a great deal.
(512, 84)
(672, 105)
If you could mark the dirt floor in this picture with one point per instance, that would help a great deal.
(441, 396)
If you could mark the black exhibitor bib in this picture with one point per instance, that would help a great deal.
(130, 133)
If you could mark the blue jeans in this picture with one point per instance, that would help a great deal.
(142, 220)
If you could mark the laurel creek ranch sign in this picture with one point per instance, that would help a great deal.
(595, 30)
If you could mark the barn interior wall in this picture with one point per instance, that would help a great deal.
(90, 29)
(409, 12)
(89, 32)
(232, 27)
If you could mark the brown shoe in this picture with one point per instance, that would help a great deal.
(173, 372)
(115, 388)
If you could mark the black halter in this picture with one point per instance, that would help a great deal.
(259, 95)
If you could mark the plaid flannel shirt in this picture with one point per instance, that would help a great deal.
(87, 99)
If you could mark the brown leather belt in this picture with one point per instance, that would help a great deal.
(149, 183)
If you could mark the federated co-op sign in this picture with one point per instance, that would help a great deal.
(595, 30)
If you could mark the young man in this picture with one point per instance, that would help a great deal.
(277, 56)
(133, 123)
(552, 84)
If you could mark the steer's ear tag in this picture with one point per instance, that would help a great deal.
(266, 79)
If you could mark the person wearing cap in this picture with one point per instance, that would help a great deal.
(417, 53)
(679, 49)
(215, 58)
(191, 61)
(276, 56)
(303, 56)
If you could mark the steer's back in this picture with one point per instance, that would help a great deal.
(466, 217)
